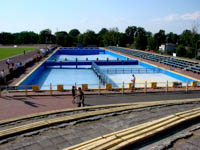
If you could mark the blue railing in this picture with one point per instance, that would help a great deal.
(131, 70)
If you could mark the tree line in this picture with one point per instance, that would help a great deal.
(133, 37)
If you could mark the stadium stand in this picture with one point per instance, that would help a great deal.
(173, 62)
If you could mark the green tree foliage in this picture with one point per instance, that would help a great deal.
(63, 39)
(141, 39)
(26, 38)
(186, 38)
(131, 33)
(88, 38)
(112, 37)
(45, 36)
(74, 32)
(135, 37)
(159, 38)
(100, 35)
(6, 38)
(189, 39)
(180, 50)
(172, 38)
(151, 43)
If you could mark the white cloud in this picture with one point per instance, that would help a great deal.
(175, 17)
(171, 17)
(192, 16)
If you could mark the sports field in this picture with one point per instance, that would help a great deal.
(9, 52)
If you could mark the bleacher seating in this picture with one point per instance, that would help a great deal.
(174, 62)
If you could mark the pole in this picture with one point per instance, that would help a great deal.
(51, 92)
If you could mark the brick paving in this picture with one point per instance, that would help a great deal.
(11, 107)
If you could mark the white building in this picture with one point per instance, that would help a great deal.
(167, 48)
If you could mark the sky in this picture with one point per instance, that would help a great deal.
(64, 15)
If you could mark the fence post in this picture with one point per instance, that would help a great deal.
(51, 92)
(167, 87)
(186, 86)
(145, 87)
(99, 87)
(123, 88)
(26, 90)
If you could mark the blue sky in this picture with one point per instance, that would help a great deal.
(64, 15)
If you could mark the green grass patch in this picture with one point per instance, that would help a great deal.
(9, 52)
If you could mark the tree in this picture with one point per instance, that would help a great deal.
(151, 43)
(63, 39)
(112, 37)
(100, 35)
(88, 38)
(189, 39)
(45, 36)
(186, 38)
(25, 37)
(140, 41)
(74, 32)
(159, 38)
(172, 38)
(180, 50)
(131, 33)
(6, 38)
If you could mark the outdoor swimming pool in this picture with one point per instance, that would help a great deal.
(96, 67)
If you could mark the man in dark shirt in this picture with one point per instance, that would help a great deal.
(73, 94)
(81, 98)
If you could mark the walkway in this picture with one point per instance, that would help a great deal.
(11, 107)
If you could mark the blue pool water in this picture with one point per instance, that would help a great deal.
(62, 68)
(67, 77)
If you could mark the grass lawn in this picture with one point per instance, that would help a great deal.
(9, 52)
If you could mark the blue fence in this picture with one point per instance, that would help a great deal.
(132, 70)
(102, 62)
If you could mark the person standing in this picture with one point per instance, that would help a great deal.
(3, 76)
(133, 83)
(81, 100)
(73, 94)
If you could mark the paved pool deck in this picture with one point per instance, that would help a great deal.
(12, 107)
